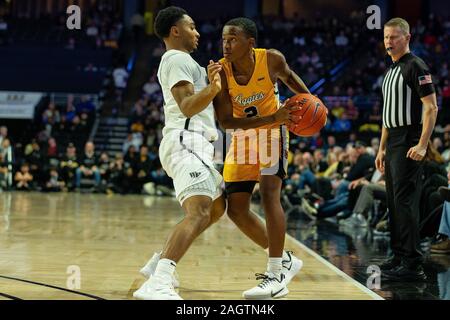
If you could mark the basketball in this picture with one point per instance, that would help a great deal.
(314, 115)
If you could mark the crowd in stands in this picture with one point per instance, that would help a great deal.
(30, 158)
(45, 165)
(101, 27)
(315, 47)
(430, 41)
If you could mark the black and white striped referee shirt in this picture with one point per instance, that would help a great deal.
(407, 81)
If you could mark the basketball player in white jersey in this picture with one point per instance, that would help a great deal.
(186, 151)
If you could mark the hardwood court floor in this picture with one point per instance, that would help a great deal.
(45, 237)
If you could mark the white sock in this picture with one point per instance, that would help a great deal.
(275, 266)
(285, 255)
(165, 268)
(158, 254)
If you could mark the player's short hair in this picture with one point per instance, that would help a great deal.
(399, 22)
(247, 25)
(166, 19)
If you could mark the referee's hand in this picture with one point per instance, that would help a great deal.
(379, 161)
(417, 153)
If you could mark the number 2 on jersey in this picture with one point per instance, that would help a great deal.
(251, 111)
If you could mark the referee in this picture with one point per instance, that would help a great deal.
(409, 116)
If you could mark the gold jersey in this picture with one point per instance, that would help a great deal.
(262, 150)
(259, 97)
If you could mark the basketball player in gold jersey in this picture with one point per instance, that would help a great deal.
(249, 99)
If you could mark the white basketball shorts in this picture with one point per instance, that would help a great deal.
(187, 157)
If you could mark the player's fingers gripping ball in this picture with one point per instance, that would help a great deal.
(312, 116)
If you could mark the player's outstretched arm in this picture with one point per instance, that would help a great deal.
(279, 67)
(224, 112)
(192, 103)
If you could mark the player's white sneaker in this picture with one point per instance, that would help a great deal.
(149, 269)
(157, 288)
(270, 288)
(291, 267)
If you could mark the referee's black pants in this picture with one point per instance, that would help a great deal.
(403, 188)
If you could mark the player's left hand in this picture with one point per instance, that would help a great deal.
(417, 153)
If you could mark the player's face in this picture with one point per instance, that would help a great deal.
(395, 41)
(188, 33)
(236, 44)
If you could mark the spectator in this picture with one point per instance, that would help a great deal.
(315, 60)
(120, 75)
(104, 165)
(142, 169)
(92, 30)
(442, 246)
(131, 155)
(8, 158)
(342, 124)
(62, 126)
(35, 160)
(366, 191)
(318, 39)
(84, 123)
(3, 173)
(88, 166)
(70, 112)
(51, 114)
(3, 134)
(86, 105)
(304, 59)
(68, 166)
(54, 184)
(121, 174)
(320, 165)
(24, 179)
(151, 87)
(331, 143)
(346, 191)
(341, 39)
(52, 149)
(352, 111)
(134, 140)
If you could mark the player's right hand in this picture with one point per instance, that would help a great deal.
(214, 69)
(285, 113)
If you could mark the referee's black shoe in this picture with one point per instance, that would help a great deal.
(404, 272)
(390, 263)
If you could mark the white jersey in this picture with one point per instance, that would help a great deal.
(179, 66)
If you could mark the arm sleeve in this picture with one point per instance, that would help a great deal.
(421, 79)
(178, 70)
